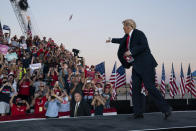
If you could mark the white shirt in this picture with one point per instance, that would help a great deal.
(14, 85)
(77, 103)
(130, 33)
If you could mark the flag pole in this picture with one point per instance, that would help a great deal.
(187, 98)
(126, 85)
(115, 81)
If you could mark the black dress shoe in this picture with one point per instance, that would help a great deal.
(168, 113)
(138, 116)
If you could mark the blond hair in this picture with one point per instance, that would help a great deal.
(129, 22)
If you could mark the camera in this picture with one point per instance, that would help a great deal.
(76, 52)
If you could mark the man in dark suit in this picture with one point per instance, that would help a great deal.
(79, 107)
(134, 51)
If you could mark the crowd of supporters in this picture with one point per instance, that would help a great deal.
(44, 77)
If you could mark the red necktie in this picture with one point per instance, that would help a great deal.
(129, 59)
(127, 44)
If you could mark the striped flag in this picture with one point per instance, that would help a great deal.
(101, 69)
(130, 88)
(143, 89)
(172, 83)
(120, 77)
(1, 34)
(163, 86)
(190, 82)
(112, 80)
(182, 82)
(156, 81)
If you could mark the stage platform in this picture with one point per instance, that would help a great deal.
(180, 120)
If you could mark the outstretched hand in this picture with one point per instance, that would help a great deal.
(108, 40)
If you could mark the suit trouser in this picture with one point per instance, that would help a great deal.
(148, 78)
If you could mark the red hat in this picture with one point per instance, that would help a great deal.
(107, 86)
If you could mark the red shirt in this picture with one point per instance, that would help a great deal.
(90, 74)
(97, 80)
(15, 110)
(46, 52)
(39, 105)
(88, 92)
(54, 79)
(40, 51)
(18, 53)
(24, 88)
(57, 92)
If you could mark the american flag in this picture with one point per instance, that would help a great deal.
(172, 83)
(112, 80)
(29, 33)
(190, 82)
(101, 69)
(143, 89)
(156, 81)
(130, 88)
(163, 86)
(120, 77)
(182, 82)
(1, 34)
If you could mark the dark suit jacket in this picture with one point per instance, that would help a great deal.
(140, 51)
(83, 109)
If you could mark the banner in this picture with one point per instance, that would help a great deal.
(11, 56)
(90, 74)
(3, 49)
(5, 27)
(35, 67)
